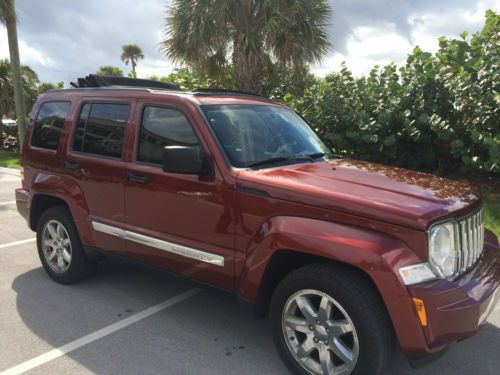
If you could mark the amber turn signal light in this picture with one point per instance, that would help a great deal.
(420, 308)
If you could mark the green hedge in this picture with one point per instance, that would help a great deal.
(438, 113)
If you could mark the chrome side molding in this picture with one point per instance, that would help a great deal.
(169, 247)
(108, 229)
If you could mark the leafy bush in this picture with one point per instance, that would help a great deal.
(438, 113)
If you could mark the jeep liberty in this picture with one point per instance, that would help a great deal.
(346, 257)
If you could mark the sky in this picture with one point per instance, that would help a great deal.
(65, 39)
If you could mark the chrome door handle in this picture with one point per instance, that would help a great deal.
(194, 193)
(72, 166)
(136, 178)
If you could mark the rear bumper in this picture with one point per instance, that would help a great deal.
(457, 309)
(22, 202)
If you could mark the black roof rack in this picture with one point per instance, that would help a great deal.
(94, 80)
(212, 91)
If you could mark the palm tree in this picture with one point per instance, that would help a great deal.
(8, 18)
(131, 54)
(250, 35)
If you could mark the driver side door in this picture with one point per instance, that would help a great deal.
(179, 222)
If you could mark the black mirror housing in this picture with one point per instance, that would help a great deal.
(185, 160)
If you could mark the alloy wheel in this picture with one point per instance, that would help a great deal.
(319, 333)
(56, 246)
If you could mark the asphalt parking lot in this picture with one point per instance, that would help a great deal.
(129, 321)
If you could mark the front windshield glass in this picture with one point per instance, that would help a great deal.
(251, 134)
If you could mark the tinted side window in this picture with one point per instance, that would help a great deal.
(162, 127)
(49, 124)
(101, 128)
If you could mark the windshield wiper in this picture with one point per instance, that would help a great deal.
(277, 159)
(329, 155)
(314, 155)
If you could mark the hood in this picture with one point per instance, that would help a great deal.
(389, 194)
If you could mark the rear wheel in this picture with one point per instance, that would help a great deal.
(329, 320)
(59, 247)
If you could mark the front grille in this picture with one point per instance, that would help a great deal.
(470, 238)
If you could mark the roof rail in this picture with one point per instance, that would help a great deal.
(212, 91)
(94, 80)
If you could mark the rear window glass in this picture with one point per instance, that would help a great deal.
(49, 125)
(101, 128)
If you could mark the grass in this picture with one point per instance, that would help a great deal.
(492, 212)
(10, 160)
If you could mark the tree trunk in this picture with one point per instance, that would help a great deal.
(17, 80)
(133, 68)
(1, 131)
(247, 70)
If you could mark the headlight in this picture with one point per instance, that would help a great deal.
(442, 250)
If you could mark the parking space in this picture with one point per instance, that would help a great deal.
(201, 332)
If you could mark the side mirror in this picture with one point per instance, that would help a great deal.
(186, 160)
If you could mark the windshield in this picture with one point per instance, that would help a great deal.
(253, 134)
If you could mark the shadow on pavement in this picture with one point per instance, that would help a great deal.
(207, 334)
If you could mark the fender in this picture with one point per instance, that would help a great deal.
(377, 254)
(69, 191)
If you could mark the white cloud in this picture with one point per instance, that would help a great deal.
(379, 43)
(366, 47)
(32, 55)
(149, 67)
(4, 45)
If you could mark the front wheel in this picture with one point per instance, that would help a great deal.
(327, 319)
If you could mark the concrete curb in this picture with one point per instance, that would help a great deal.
(10, 171)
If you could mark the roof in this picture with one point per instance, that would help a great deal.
(205, 98)
(95, 85)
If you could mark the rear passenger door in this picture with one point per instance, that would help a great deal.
(95, 160)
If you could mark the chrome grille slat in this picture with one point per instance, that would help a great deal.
(478, 248)
(460, 258)
(472, 231)
(464, 246)
(470, 249)
(470, 238)
(476, 235)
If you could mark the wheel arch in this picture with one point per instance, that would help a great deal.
(285, 261)
(40, 203)
(50, 190)
(286, 243)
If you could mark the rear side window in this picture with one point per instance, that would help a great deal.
(162, 127)
(49, 125)
(101, 128)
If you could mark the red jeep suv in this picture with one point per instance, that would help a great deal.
(234, 190)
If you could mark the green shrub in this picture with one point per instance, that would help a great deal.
(438, 113)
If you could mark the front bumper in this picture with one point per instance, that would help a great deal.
(457, 309)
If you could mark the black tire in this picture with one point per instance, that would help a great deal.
(79, 267)
(357, 297)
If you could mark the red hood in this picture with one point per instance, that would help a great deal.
(384, 193)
